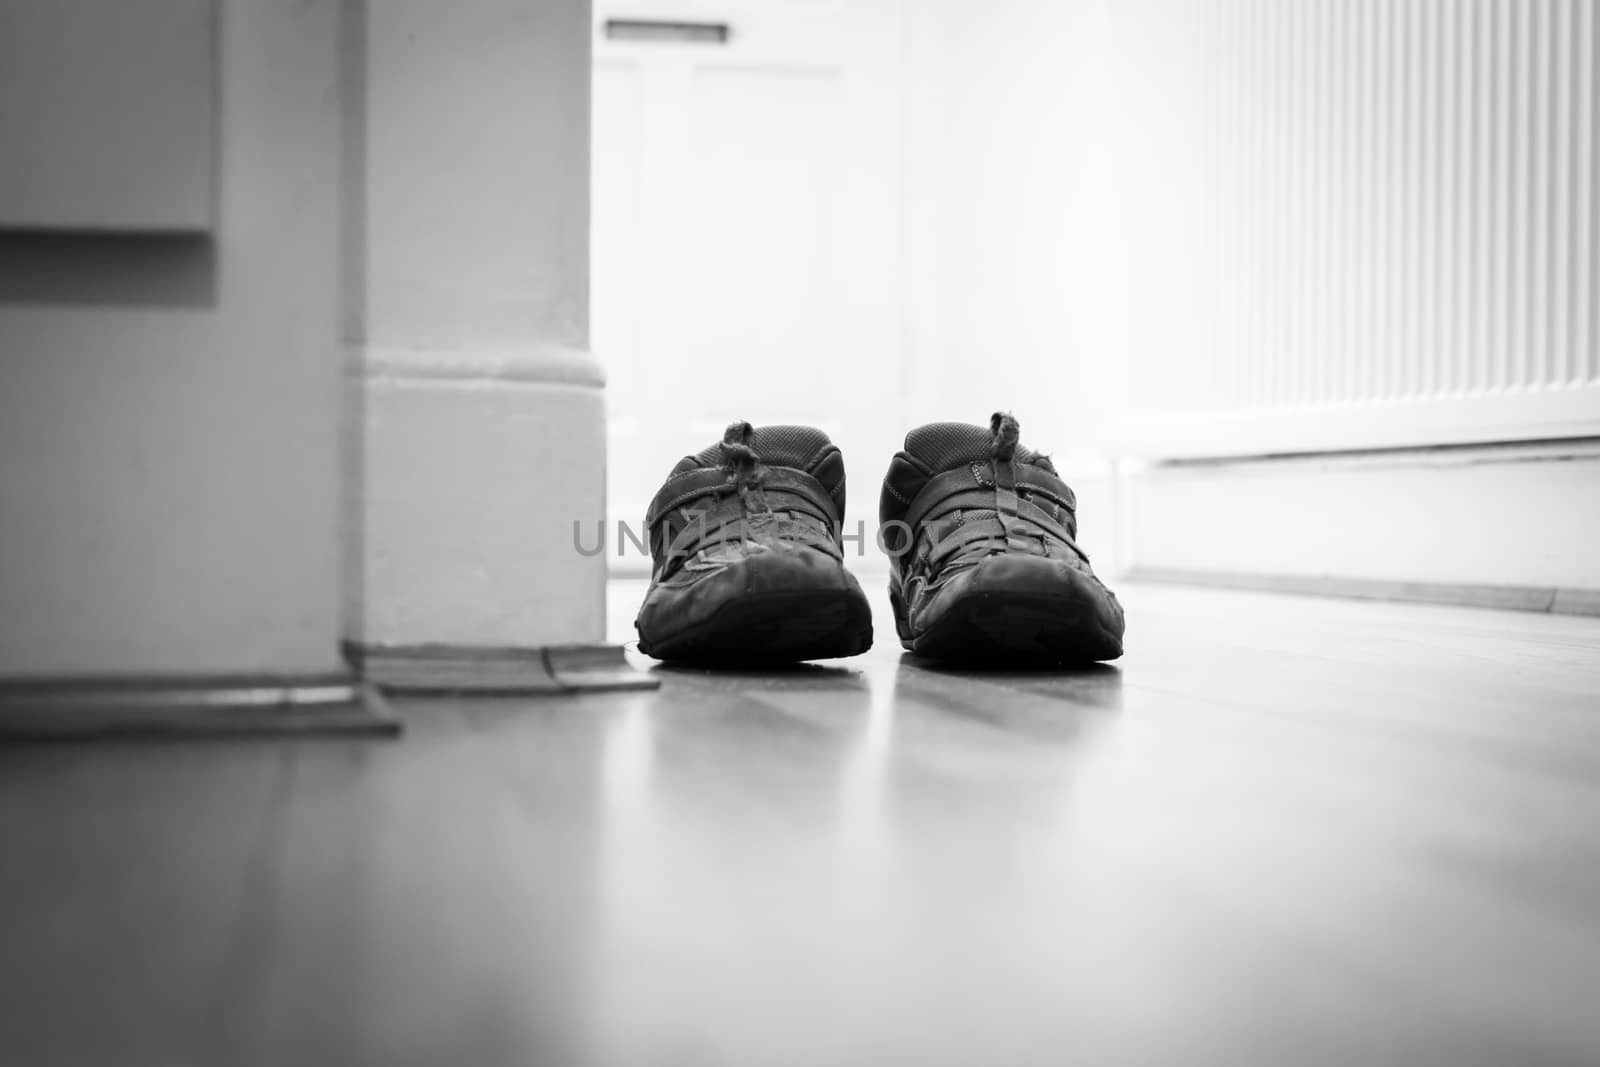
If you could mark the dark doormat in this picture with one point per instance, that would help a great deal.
(76, 709)
(466, 669)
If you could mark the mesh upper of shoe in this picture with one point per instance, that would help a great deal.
(943, 446)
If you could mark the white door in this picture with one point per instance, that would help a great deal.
(746, 232)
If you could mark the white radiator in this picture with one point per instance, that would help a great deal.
(1358, 223)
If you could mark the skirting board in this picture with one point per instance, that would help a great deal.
(233, 706)
(1550, 600)
(1509, 525)
(489, 670)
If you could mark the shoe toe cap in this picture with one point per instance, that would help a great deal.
(1035, 579)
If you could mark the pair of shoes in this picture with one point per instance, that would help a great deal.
(748, 549)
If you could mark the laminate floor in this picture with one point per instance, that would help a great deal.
(1280, 831)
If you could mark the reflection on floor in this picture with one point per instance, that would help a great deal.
(1280, 831)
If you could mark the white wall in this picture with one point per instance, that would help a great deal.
(1005, 212)
(169, 410)
(1016, 273)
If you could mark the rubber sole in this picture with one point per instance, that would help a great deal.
(998, 627)
(781, 626)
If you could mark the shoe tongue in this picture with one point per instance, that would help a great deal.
(943, 446)
(801, 447)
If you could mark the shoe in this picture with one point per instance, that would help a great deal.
(985, 565)
(749, 561)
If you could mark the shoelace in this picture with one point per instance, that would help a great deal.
(1004, 430)
(744, 466)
